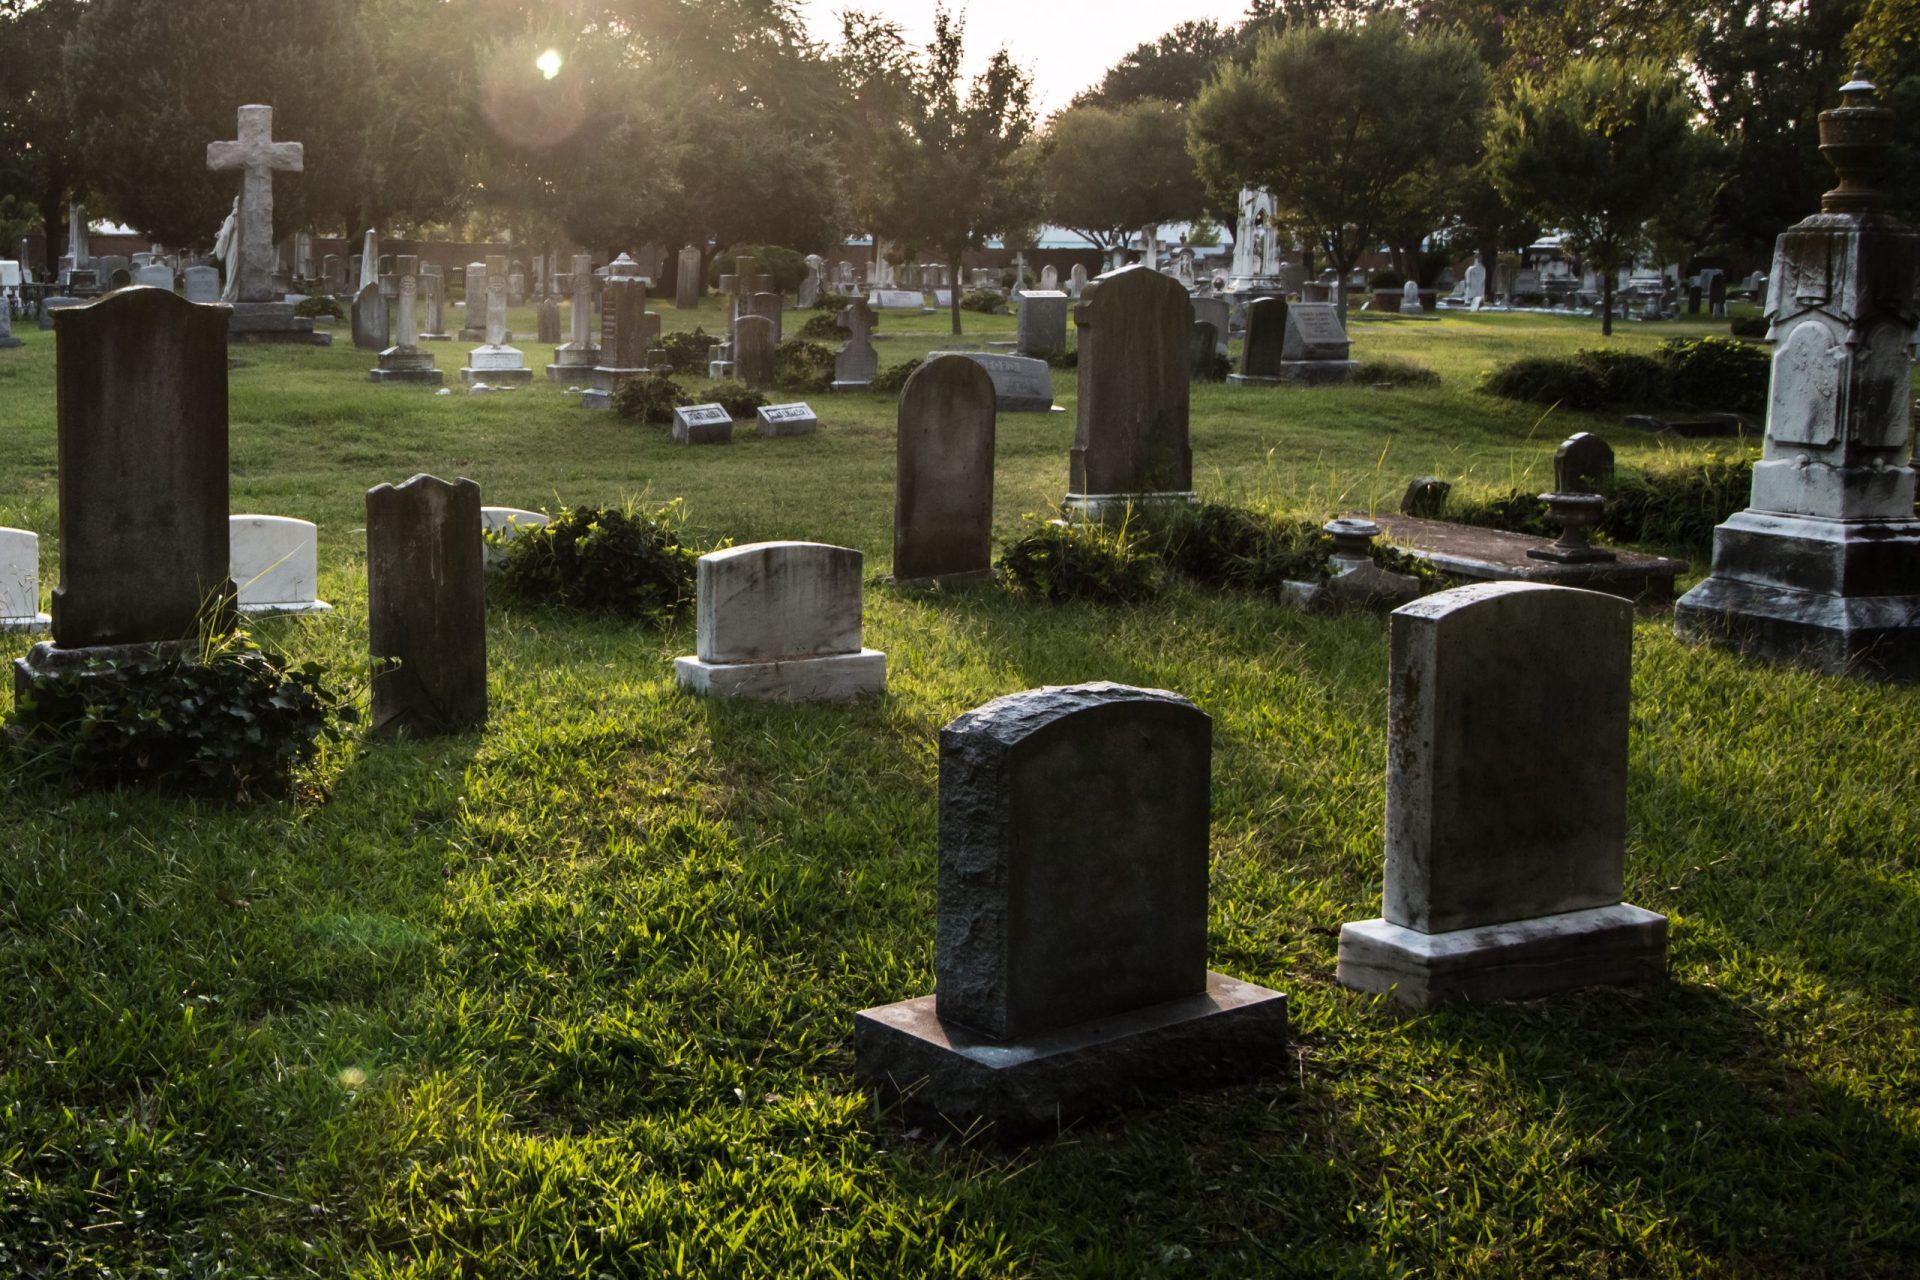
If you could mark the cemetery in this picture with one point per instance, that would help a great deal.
(1136, 774)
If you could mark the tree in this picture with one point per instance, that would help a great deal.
(1111, 170)
(1589, 150)
(954, 171)
(39, 157)
(1353, 129)
(1173, 68)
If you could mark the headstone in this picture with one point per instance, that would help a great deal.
(154, 276)
(547, 321)
(1476, 283)
(781, 620)
(788, 420)
(433, 293)
(753, 342)
(1203, 353)
(142, 410)
(810, 287)
(856, 362)
(1426, 497)
(1506, 802)
(20, 583)
(1314, 347)
(496, 363)
(201, 284)
(1260, 352)
(1042, 326)
(580, 353)
(501, 525)
(1694, 300)
(1071, 955)
(1410, 304)
(119, 278)
(259, 313)
(274, 562)
(1216, 312)
(1049, 278)
(943, 473)
(767, 305)
(897, 300)
(702, 424)
(370, 319)
(406, 360)
(1582, 461)
(686, 293)
(1021, 384)
(1823, 567)
(475, 328)
(1076, 281)
(1130, 437)
(333, 274)
(54, 303)
(426, 606)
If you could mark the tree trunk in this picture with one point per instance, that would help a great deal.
(1341, 270)
(1606, 302)
(953, 295)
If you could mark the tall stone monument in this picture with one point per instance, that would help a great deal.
(686, 280)
(406, 360)
(1823, 567)
(1130, 438)
(855, 364)
(496, 363)
(576, 357)
(427, 605)
(943, 474)
(259, 313)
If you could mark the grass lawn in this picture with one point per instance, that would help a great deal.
(573, 996)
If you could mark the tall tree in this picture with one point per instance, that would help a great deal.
(1352, 128)
(1589, 149)
(956, 170)
(39, 156)
(1111, 170)
(1173, 68)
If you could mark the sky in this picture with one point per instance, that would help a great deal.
(1066, 44)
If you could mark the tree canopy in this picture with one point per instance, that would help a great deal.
(1112, 170)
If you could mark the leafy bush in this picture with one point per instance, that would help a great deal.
(806, 367)
(893, 380)
(823, 325)
(1627, 377)
(1227, 546)
(1070, 359)
(316, 305)
(1675, 506)
(1704, 373)
(1548, 380)
(1386, 280)
(616, 560)
(687, 351)
(649, 398)
(788, 267)
(1082, 560)
(985, 301)
(1748, 326)
(1393, 372)
(737, 398)
(233, 720)
(1717, 373)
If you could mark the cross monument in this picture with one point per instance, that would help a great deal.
(259, 155)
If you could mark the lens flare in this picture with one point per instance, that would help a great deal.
(549, 63)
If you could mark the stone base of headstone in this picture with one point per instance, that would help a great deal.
(286, 609)
(822, 679)
(572, 364)
(1111, 506)
(1777, 593)
(942, 581)
(399, 364)
(90, 662)
(436, 337)
(27, 625)
(702, 432)
(496, 366)
(1620, 945)
(471, 334)
(607, 377)
(1311, 371)
(8, 342)
(272, 322)
(1009, 1090)
(853, 386)
(1253, 380)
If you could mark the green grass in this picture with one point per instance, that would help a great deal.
(573, 996)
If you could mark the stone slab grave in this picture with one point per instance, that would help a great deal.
(495, 364)
(1130, 440)
(1021, 384)
(1314, 346)
(897, 300)
(20, 583)
(426, 606)
(856, 363)
(797, 419)
(1822, 569)
(781, 621)
(702, 424)
(275, 565)
(1261, 356)
(1506, 802)
(1470, 554)
(943, 474)
(143, 480)
(502, 525)
(154, 275)
(1071, 946)
(260, 313)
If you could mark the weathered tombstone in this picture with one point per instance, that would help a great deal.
(1693, 299)
(1076, 281)
(781, 620)
(753, 342)
(259, 314)
(856, 362)
(370, 319)
(426, 606)
(1823, 567)
(275, 565)
(1216, 312)
(1582, 461)
(1203, 353)
(474, 329)
(686, 292)
(433, 292)
(1476, 283)
(20, 583)
(702, 424)
(142, 408)
(1021, 384)
(1049, 278)
(1410, 303)
(1506, 802)
(501, 525)
(1426, 497)
(1717, 297)
(897, 300)
(154, 275)
(119, 278)
(406, 360)
(810, 287)
(201, 284)
(547, 321)
(1315, 347)
(579, 354)
(1071, 954)
(627, 333)
(333, 274)
(1130, 438)
(51, 304)
(1042, 326)
(767, 305)
(943, 473)
(797, 419)
(496, 363)
(7, 340)
(1260, 352)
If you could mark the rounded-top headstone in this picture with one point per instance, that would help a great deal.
(1130, 436)
(771, 600)
(943, 494)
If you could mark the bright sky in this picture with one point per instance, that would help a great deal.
(1066, 44)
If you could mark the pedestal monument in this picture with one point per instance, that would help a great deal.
(259, 312)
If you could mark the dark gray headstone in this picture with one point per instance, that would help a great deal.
(624, 338)
(1260, 354)
(1581, 462)
(1042, 326)
(370, 319)
(1425, 497)
(547, 321)
(943, 472)
(1204, 352)
(753, 343)
(426, 606)
(1131, 433)
(142, 401)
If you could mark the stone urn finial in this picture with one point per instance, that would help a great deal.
(1855, 138)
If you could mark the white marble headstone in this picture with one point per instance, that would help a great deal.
(505, 524)
(275, 564)
(781, 620)
(20, 582)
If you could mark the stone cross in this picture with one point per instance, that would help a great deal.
(407, 319)
(496, 301)
(580, 317)
(258, 155)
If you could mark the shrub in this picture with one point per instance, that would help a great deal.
(317, 305)
(893, 380)
(687, 350)
(823, 325)
(1675, 506)
(1394, 372)
(1717, 373)
(1627, 377)
(1704, 373)
(737, 398)
(233, 720)
(1070, 359)
(1083, 560)
(1748, 326)
(806, 367)
(1386, 280)
(788, 267)
(649, 398)
(985, 301)
(1547, 380)
(1227, 546)
(614, 560)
